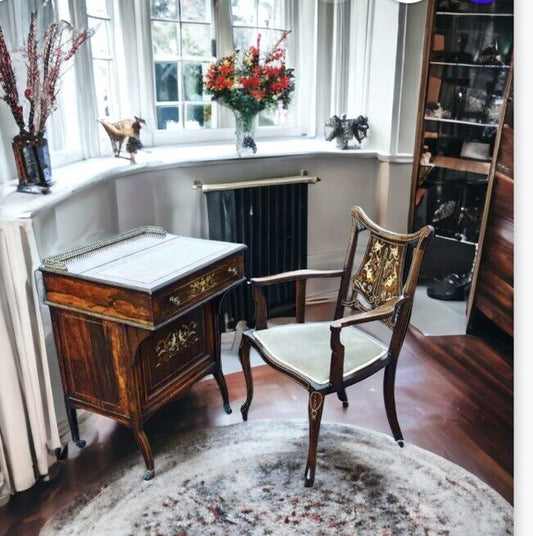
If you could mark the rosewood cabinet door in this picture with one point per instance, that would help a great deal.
(174, 353)
(90, 367)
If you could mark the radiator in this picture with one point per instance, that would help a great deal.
(270, 217)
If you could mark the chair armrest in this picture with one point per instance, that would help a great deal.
(379, 313)
(295, 275)
(300, 277)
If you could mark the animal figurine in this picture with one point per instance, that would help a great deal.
(343, 130)
(129, 129)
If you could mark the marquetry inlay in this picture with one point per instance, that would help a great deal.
(175, 342)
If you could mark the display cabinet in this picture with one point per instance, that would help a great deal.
(467, 60)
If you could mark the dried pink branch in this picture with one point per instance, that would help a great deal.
(44, 68)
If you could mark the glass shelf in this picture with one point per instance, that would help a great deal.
(469, 14)
(461, 164)
(476, 65)
(460, 122)
(461, 241)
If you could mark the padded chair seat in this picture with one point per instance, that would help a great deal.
(305, 349)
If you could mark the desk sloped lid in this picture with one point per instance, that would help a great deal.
(145, 258)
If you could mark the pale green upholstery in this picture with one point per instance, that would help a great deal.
(305, 349)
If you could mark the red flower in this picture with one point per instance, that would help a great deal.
(253, 81)
(221, 82)
(281, 85)
(271, 72)
(226, 70)
(27, 93)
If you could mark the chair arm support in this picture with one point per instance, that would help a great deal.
(295, 275)
(300, 277)
(386, 310)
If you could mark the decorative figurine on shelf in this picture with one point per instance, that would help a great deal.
(489, 55)
(434, 109)
(425, 158)
(343, 130)
(129, 129)
(425, 166)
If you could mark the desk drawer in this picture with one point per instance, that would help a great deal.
(197, 288)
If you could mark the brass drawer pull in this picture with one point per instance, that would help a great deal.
(232, 270)
(174, 300)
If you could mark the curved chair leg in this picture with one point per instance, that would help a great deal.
(316, 405)
(390, 403)
(343, 397)
(219, 377)
(244, 356)
(146, 451)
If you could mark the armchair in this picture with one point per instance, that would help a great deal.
(327, 357)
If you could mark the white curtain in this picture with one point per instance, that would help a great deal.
(28, 427)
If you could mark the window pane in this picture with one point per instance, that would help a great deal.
(198, 116)
(270, 14)
(164, 9)
(196, 40)
(193, 79)
(166, 81)
(244, 37)
(165, 38)
(100, 40)
(195, 10)
(269, 118)
(102, 83)
(244, 13)
(97, 8)
(168, 117)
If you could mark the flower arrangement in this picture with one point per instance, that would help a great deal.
(44, 65)
(248, 83)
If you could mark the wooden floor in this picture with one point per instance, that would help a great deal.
(454, 396)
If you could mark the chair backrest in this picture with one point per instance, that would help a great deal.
(389, 269)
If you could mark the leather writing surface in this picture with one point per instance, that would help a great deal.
(147, 262)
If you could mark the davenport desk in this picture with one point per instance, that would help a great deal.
(135, 320)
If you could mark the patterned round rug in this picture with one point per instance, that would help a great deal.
(247, 479)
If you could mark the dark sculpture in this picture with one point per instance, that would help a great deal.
(343, 130)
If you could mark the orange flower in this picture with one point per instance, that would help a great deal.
(257, 94)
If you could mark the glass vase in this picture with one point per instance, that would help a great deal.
(245, 133)
(32, 159)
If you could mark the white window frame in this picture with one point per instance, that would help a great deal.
(224, 36)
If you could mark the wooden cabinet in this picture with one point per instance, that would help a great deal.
(135, 321)
(467, 61)
(492, 295)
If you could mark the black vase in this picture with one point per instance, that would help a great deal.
(32, 159)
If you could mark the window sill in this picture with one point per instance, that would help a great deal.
(80, 175)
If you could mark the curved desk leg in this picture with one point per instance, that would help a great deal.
(217, 373)
(146, 450)
(73, 424)
(219, 377)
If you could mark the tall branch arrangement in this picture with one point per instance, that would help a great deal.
(249, 83)
(44, 66)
